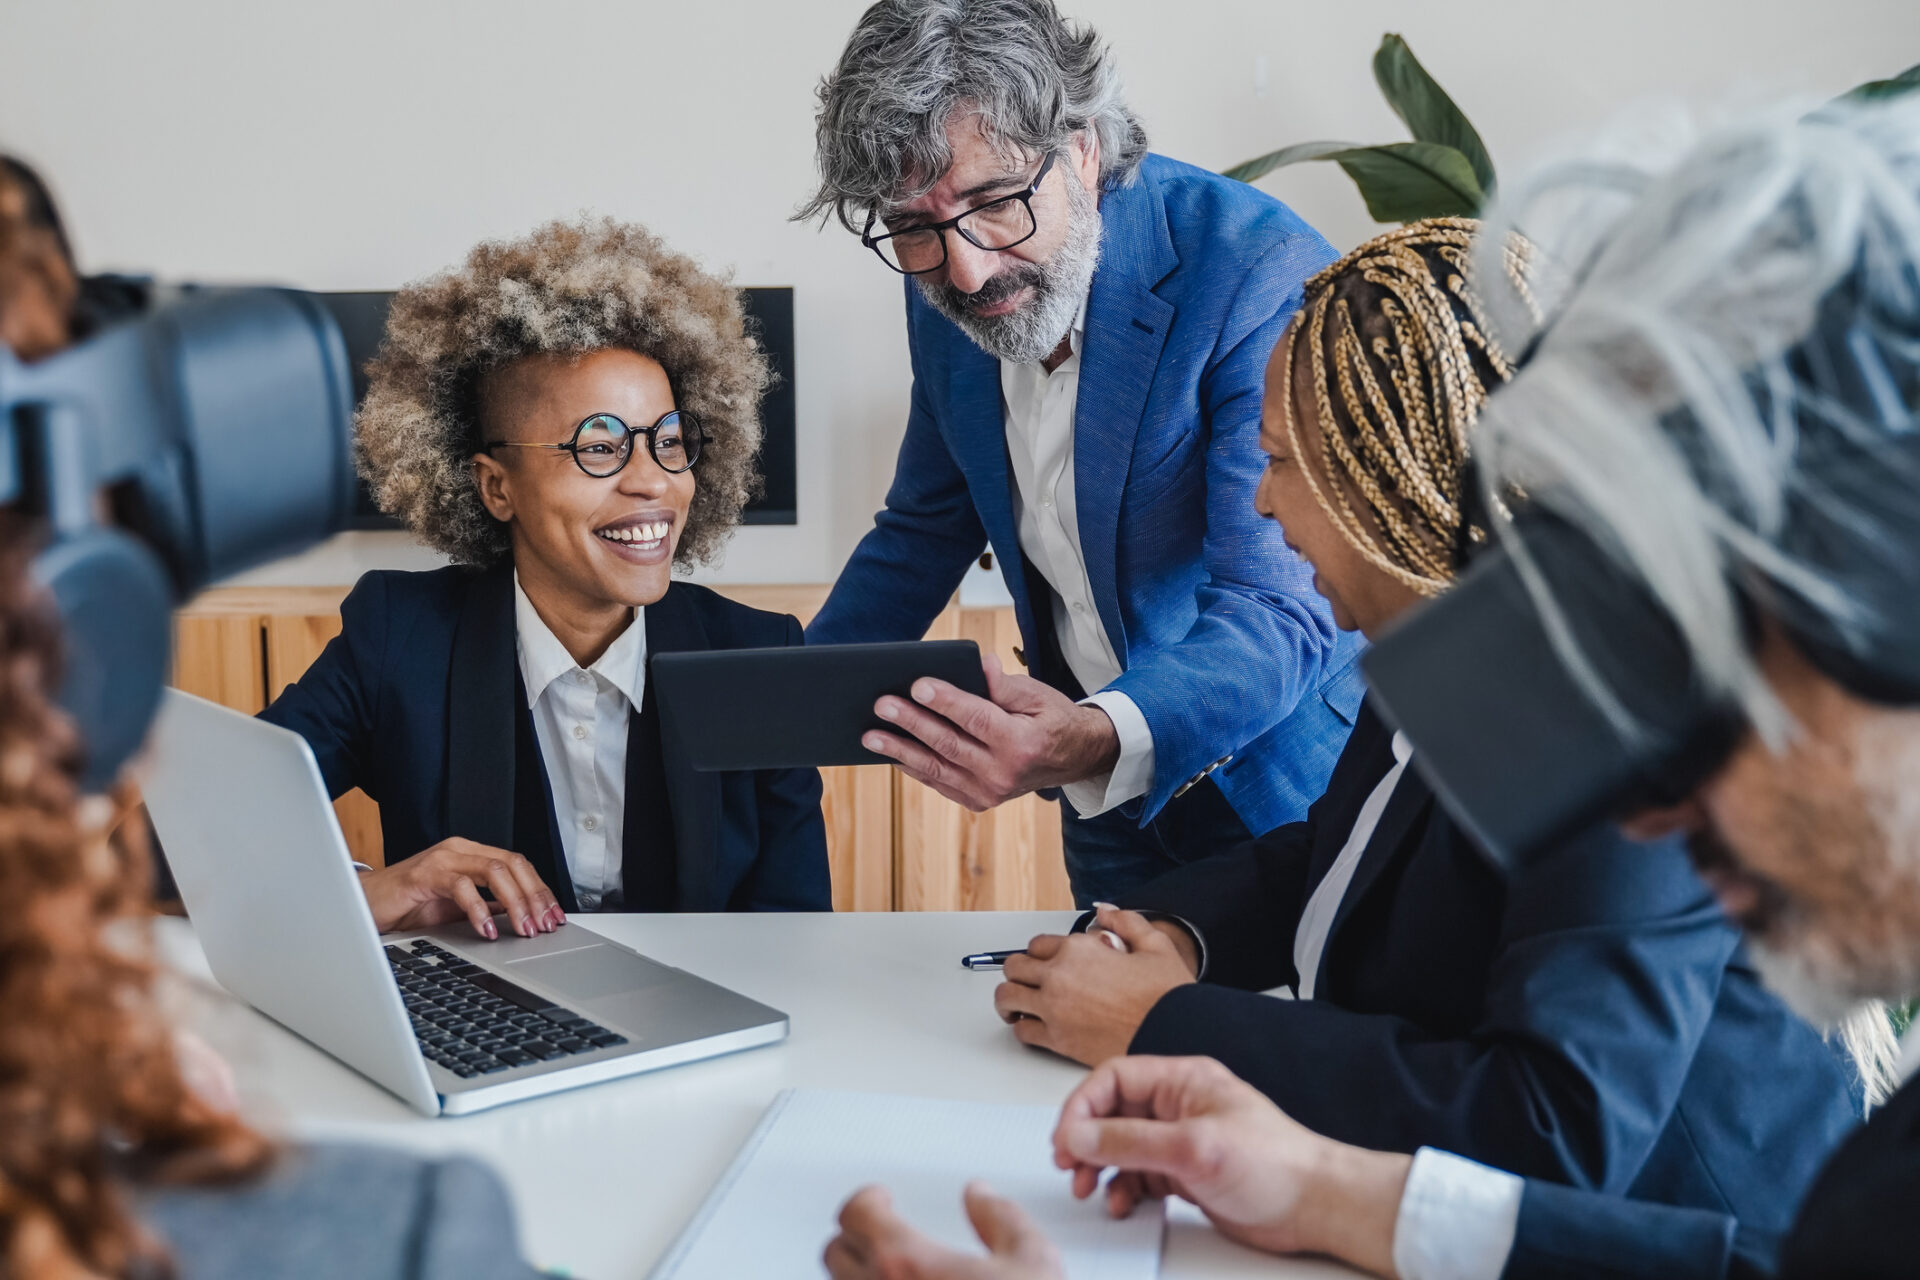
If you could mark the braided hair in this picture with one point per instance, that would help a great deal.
(1401, 359)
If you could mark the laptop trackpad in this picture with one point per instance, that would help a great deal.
(590, 973)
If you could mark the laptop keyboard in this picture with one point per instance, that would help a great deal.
(474, 1023)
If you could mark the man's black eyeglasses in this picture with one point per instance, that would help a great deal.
(603, 444)
(995, 226)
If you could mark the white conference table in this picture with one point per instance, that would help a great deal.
(605, 1177)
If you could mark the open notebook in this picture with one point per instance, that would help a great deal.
(773, 1211)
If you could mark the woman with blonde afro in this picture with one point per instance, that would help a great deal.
(569, 417)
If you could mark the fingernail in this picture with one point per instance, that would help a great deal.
(886, 712)
(487, 928)
(559, 916)
(922, 691)
(1104, 906)
(871, 742)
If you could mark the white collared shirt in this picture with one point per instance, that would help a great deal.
(1316, 922)
(580, 720)
(1037, 408)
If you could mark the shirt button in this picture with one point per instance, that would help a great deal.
(591, 823)
(579, 731)
(1046, 500)
(581, 677)
(1078, 607)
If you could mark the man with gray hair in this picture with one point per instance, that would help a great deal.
(1702, 615)
(1088, 326)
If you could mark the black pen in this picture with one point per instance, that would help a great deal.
(989, 959)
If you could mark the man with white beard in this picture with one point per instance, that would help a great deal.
(1704, 615)
(1089, 327)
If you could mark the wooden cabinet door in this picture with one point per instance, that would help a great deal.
(291, 642)
(857, 802)
(1007, 859)
(219, 657)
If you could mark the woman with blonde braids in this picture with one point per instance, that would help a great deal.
(1589, 1019)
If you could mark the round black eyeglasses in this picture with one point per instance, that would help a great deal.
(995, 226)
(602, 445)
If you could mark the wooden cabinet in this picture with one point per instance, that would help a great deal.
(240, 648)
(893, 844)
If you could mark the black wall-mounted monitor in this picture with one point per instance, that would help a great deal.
(363, 322)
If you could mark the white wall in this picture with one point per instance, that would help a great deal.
(361, 143)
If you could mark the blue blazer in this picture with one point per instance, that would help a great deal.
(1589, 1020)
(417, 703)
(1227, 648)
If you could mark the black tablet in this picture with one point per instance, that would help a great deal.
(798, 706)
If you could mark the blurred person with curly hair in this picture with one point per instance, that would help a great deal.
(567, 416)
(38, 286)
(114, 1160)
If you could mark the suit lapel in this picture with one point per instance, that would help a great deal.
(536, 828)
(1126, 331)
(1388, 844)
(490, 738)
(480, 712)
(693, 798)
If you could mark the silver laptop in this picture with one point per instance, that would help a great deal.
(450, 1022)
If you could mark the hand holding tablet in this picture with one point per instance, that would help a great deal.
(947, 717)
(981, 751)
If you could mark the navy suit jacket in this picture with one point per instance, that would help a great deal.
(1227, 649)
(1588, 1020)
(414, 702)
(1852, 1226)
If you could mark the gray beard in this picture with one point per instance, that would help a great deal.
(1807, 984)
(1030, 334)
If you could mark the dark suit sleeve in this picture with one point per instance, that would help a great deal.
(791, 873)
(332, 704)
(1565, 1232)
(907, 568)
(1239, 902)
(1605, 978)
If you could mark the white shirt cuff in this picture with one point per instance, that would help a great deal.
(1133, 774)
(1457, 1219)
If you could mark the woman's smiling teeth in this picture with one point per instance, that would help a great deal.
(638, 535)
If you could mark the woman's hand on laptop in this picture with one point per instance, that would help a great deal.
(443, 883)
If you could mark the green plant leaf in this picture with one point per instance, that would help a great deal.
(1907, 81)
(1428, 112)
(1400, 181)
(1261, 166)
(1407, 181)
